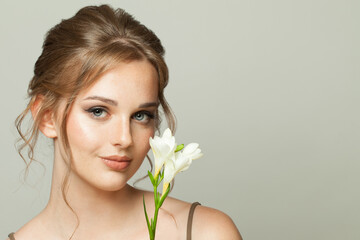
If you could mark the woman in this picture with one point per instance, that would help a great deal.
(96, 91)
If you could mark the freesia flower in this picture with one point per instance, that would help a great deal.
(174, 158)
(180, 162)
(163, 148)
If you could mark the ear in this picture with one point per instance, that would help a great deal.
(46, 123)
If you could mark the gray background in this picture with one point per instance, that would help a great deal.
(270, 89)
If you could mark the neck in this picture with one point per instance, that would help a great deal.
(91, 208)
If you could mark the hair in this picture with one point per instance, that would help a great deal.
(74, 54)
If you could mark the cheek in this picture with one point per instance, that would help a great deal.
(81, 134)
(142, 139)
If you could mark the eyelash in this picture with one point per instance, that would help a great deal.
(148, 114)
(92, 111)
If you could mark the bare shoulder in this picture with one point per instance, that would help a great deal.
(209, 223)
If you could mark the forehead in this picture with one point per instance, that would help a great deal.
(136, 80)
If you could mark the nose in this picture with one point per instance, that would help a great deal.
(121, 135)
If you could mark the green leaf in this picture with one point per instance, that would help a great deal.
(151, 178)
(147, 218)
(179, 147)
(161, 177)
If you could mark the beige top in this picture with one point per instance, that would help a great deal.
(189, 222)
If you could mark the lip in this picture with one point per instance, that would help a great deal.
(117, 163)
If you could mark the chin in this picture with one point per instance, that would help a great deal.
(112, 188)
(112, 184)
(103, 179)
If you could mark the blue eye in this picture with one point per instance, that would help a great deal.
(143, 116)
(97, 112)
(139, 116)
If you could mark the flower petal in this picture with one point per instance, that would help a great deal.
(182, 162)
(191, 147)
(197, 156)
(169, 171)
(167, 133)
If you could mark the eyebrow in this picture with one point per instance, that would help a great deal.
(149, 104)
(115, 103)
(103, 99)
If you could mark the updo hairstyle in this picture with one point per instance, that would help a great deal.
(75, 53)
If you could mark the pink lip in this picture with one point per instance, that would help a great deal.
(116, 162)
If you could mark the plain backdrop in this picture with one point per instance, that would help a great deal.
(269, 88)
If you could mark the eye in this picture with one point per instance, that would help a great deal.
(97, 112)
(143, 116)
(139, 116)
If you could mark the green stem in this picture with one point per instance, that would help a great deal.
(155, 219)
(156, 200)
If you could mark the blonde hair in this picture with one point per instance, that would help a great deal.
(75, 53)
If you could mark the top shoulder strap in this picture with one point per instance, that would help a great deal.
(11, 236)
(190, 220)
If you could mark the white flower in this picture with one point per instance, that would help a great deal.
(163, 148)
(180, 162)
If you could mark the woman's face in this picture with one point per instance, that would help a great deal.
(110, 124)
